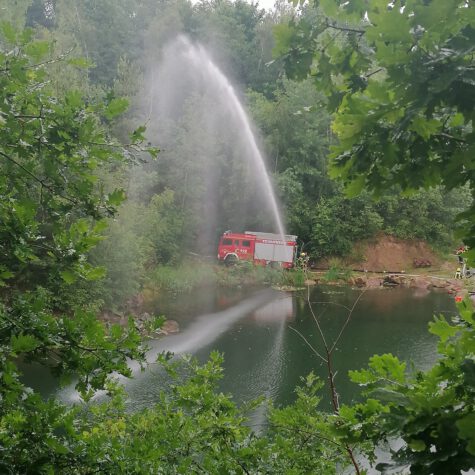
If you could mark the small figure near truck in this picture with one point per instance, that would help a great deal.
(259, 248)
(463, 270)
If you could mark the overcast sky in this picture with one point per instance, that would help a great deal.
(267, 4)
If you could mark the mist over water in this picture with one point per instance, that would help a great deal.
(268, 310)
(201, 334)
(205, 329)
(209, 145)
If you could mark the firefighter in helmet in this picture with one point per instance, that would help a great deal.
(302, 261)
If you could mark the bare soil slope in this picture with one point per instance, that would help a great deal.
(390, 254)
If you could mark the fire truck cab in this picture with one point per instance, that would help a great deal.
(257, 247)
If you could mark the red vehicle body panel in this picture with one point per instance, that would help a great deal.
(260, 248)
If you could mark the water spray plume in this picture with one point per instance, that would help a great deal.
(199, 64)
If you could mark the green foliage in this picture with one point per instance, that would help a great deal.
(295, 125)
(34, 432)
(402, 88)
(192, 275)
(241, 38)
(214, 184)
(426, 214)
(52, 201)
(142, 236)
(14, 15)
(292, 116)
(337, 272)
(301, 425)
(193, 428)
(52, 211)
(316, 208)
(432, 412)
(400, 81)
(183, 278)
(102, 31)
(293, 278)
(338, 222)
(245, 273)
(196, 428)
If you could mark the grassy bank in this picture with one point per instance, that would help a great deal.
(187, 277)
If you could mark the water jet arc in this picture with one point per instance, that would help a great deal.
(197, 56)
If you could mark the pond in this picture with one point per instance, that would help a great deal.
(261, 336)
(265, 337)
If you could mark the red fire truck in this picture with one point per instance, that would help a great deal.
(260, 248)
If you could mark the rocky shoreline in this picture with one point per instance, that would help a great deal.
(415, 281)
(361, 280)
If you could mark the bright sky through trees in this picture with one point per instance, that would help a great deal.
(267, 4)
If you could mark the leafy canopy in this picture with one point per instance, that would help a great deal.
(432, 412)
(52, 210)
(400, 80)
(53, 153)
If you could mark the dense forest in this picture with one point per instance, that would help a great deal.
(200, 185)
(119, 161)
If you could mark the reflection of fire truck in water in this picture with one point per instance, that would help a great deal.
(260, 248)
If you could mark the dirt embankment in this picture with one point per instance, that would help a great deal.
(390, 254)
(386, 261)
